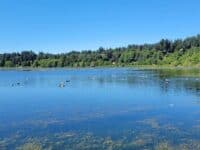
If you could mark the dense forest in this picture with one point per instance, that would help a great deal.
(166, 52)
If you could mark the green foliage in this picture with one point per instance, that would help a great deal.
(171, 53)
(189, 58)
(9, 64)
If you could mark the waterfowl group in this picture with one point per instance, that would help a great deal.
(60, 85)
(16, 84)
(63, 84)
(166, 81)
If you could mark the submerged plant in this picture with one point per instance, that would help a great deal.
(163, 146)
(30, 146)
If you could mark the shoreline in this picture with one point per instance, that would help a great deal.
(109, 66)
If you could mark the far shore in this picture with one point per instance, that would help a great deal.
(109, 66)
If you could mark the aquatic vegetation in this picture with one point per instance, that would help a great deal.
(89, 141)
(170, 127)
(151, 122)
(3, 144)
(163, 146)
(189, 144)
(65, 135)
(30, 146)
(139, 142)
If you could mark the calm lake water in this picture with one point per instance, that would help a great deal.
(77, 109)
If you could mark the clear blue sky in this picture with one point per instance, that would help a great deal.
(63, 25)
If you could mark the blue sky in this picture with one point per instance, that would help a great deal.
(63, 25)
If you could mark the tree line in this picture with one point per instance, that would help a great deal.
(165, 52)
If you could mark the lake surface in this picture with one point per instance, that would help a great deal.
(118, 108)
